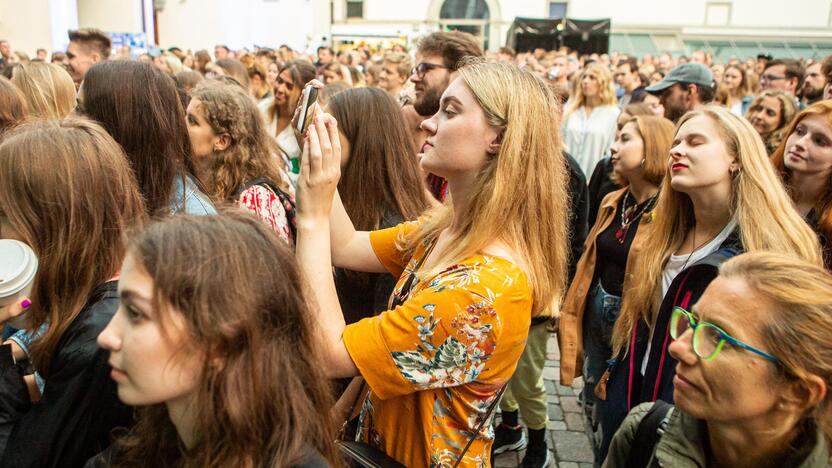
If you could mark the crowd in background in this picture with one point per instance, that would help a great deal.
(217, 287)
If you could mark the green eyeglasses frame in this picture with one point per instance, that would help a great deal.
(723, 337)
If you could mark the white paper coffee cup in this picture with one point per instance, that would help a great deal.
(18, 267)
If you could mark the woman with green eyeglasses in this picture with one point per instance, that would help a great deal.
(720, 197)
(753, 374)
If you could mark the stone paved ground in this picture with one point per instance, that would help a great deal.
(567, 440)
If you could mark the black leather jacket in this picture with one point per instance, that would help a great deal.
(79, 408)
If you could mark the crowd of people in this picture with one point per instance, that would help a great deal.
(217, 287)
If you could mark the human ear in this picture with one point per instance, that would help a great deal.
(222, 142)
(693, 91)
(802, 394)
(494, 146)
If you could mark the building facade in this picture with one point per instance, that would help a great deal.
(724, 27)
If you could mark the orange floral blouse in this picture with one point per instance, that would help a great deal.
(435, 363)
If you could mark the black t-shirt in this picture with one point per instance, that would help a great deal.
(600, 185)
(611, 255)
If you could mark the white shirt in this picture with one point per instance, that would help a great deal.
(675, 264)
(736, 108)
(285, 139)
(588, 139)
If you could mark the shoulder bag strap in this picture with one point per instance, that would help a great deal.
(396, 301)
(648, 433)
(482, 423)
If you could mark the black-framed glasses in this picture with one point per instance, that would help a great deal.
(424, 67)
(708, 339)
(769, 77)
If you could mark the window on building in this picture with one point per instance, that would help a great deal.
(468, 9)
(557, 9)
(718, 14)
(471, 16)
(355, 8)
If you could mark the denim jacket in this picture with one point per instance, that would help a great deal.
(189, 199)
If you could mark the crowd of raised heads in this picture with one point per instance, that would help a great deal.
(271, 258)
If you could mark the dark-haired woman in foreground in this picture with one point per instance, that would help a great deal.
(224, 366)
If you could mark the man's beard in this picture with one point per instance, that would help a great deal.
(428, 104)
(813, 94)
(674, 112)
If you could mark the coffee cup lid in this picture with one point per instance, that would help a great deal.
(18, 266)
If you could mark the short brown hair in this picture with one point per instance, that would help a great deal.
(94, 39)
(453, 46)
(508, 51)
(402, 61)
(793, 69)
(256, 69)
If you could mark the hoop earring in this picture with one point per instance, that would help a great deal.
(642, 162)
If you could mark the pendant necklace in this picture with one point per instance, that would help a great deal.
(631, 215)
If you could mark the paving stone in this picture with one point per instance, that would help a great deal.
(556, 425)
(552, 346)
(566, 426)
(572, 446)
(574, 421)
(570, 404)
(555, 413)
(506, 460)
(568, 391)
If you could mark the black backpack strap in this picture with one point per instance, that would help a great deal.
(648, 433)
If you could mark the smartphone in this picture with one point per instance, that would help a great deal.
(308, 99)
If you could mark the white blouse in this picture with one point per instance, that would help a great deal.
(588, 139)
(286, 138)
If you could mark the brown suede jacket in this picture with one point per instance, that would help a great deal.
(570, 330)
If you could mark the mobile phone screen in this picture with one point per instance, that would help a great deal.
(310, 96)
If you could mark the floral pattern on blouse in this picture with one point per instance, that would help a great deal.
(436, 362)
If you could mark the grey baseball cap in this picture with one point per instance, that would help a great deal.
(695, 73)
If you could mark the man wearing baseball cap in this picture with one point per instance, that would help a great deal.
(684, 88)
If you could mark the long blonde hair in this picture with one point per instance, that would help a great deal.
(520, 196)
(606, 90)
(765, 216)
(48, 89)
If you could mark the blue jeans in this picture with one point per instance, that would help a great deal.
(601, 312)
